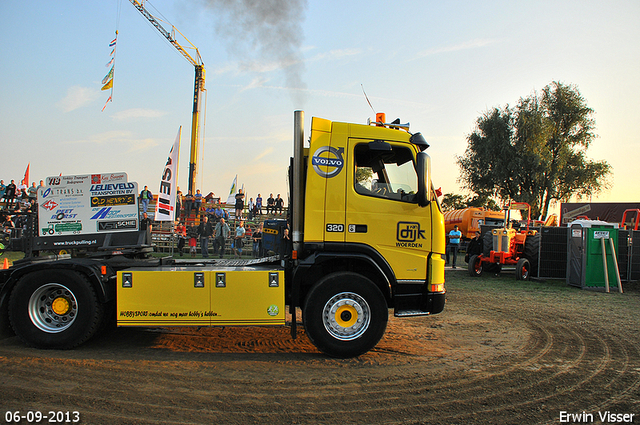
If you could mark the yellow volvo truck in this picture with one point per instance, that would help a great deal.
(367, 235)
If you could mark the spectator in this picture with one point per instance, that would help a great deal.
(271, 204)
(3, 189)
(197, 202)
(178, 204)
(238, 243)
(7, 226)
(221, 213)
(10, 194)
(454, 244)
(188, 204)
(33, 192)
(181, 232)
(145, 197)
(222, 231)
(211, 213)
(239, 204)
(279, 204)
(205, 231)
(146, 225)
(251, 205)
(474, 247)
(192, 234)
(259, 204)
(257, 241)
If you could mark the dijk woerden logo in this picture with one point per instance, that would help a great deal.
(409, 235)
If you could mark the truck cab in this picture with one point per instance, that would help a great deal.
(370, 213)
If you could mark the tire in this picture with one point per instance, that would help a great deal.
(54, 309)
(523, 269)
(475, 266)
(487, 243)
(532, 252)
(345, 315)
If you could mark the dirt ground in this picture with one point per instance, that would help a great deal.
(501, 353)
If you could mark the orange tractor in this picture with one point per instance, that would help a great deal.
(508, 246)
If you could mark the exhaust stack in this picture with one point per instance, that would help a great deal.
(298, 179)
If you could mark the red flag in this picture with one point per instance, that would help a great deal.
(25, 180)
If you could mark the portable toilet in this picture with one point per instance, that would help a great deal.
(585, 265)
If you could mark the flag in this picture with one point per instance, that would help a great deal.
(107, 81)
(25, 180)
(108, 77)
(105, 103)
(166, 199)
(232, 192)
(108, 86)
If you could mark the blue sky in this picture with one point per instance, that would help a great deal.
(438, 65)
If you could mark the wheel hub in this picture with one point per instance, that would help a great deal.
(346, 316)
(53, 308)
(60, 306)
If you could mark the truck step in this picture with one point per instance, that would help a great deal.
(408, 313)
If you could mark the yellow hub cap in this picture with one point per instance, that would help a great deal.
(346, 316)
(60, 306)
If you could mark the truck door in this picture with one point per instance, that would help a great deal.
(382, 208)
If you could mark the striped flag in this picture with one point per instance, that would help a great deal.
(166, 203)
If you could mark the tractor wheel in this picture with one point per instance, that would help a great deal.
(475, 266)
(54, 309)
(523, 269)
(487, 243)
(532, 252)
(345, 314)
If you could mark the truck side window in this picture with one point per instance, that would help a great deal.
(385, 173)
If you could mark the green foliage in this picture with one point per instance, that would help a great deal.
(451, 201)
(535, 152)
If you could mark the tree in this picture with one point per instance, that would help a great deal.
(535, 152)
(452, 201)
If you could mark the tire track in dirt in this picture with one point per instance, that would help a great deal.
(487, 360)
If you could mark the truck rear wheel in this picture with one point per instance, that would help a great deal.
(345, 315)
(54, 309)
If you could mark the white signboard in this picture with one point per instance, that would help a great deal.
(87, 204)
(601, 234)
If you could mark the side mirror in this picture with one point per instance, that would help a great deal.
(423, 165)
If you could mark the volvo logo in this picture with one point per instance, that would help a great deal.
(330, 164)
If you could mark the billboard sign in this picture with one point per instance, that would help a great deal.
(87, 204)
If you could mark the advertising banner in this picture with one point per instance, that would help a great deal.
(87, 204)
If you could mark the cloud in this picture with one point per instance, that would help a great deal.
(132, 114)
(124, 139)
(335, 55)
(263, 154)
(77, 97)
(472, 44)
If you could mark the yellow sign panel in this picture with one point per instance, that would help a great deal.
(189, 297)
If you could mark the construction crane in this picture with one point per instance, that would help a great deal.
(198, 87)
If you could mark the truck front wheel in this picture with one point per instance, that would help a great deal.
(345, 315)
(54, 309)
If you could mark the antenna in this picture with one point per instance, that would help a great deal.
(366, 97)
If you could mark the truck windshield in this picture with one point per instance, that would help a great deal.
(385, 173)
